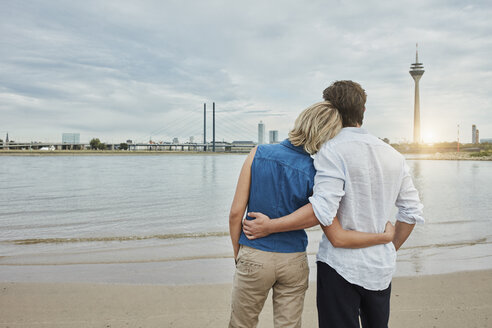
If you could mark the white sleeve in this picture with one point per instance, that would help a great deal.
(329, 183)
(408, 201)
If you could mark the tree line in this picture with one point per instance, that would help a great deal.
(96, 144)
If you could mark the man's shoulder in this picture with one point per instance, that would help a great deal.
(387, 148)
(345, 143)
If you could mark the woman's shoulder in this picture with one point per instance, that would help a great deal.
(285, 158)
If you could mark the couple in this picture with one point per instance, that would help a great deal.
(330, 172)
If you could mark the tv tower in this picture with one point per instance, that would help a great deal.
(416, 71)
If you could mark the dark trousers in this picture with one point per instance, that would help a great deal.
(340, 303)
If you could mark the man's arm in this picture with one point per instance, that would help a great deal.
(304, 218)
(409, 209)
(262, 226)
(327, 193)
(240, 202)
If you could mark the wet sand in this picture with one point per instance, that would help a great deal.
(450, 300)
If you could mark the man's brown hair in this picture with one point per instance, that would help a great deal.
(350, 99)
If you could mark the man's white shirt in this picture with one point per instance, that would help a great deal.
(360, 179)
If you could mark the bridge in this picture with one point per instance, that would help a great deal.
(194, 147)
(193, 126)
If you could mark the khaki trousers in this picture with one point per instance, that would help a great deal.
(256, 273)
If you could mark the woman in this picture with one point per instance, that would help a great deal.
(277, 180)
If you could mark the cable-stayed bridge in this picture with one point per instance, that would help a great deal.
(207, 126)
(187, 131)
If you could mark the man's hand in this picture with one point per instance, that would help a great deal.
(257, 228)
(389, 231)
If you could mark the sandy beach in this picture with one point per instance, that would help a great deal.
(451, 300)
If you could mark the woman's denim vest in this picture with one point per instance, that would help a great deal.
(282, 179)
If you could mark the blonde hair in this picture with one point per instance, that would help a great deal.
(315, 125)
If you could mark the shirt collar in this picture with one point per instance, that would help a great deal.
(299, 149)
(355, 130)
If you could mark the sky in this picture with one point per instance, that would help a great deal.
(141, 70)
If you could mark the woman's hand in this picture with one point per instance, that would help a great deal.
(389, 231)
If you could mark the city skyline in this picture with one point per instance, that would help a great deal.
(120, 70)
(74, 138)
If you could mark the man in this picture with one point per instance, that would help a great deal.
(359, 179)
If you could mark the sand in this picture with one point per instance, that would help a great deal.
(451, 300)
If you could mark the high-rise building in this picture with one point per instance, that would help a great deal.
(71, 138)
(273, 134)
(477, 137)
(474, 134)
(416, 71)
(6, 142)
(261, 133)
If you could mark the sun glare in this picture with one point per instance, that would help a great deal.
(428, 137)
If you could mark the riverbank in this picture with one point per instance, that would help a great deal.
(109, 153)
(455, 156)
(461, 156)
(451, 300)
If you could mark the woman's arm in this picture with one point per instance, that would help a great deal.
(304, 218)
(402, 231)
(240, 202)
(339, 237)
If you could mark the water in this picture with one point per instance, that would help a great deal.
(142, 219)
(113, 196)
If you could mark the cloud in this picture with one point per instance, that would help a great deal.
(120, 69)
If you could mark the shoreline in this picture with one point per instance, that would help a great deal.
(462, 156)
(111, 153)
(451, 156)
(195, 259)
(461, 299)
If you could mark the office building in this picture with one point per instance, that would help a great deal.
(6, 142)
(243, 143)
(474, 134)
(273, 134)
(261, 133)
(71, 138)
